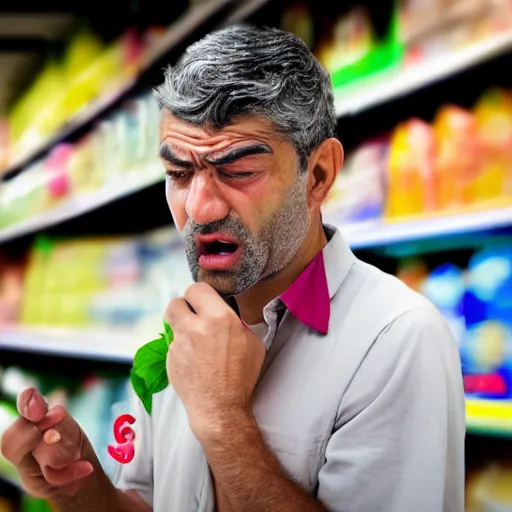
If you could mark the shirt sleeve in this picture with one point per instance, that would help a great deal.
(138, 474)
(398, 443)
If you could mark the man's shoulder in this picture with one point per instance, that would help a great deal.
(379, 328)
(370, 300)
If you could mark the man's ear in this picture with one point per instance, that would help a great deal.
(324, 164)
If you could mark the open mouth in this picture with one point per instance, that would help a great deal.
(217, 248)
(218, 252)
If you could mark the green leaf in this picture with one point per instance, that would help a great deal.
(140, 388)
(169, 335)
(149, 371)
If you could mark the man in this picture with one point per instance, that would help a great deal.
(302, 378)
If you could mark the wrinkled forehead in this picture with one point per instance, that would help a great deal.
(186, 139)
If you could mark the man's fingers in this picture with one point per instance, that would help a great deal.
(61, 446)
(55, 416)
(72, 473)
(19, 440)
(31, 405)
(178, 311)
(23, 436)
(204, 299)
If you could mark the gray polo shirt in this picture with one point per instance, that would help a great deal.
(360, 399)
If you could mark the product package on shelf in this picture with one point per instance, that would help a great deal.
(121, 150)
(11, 288)
(358, 193)
(460, 163)
(88, 73)
(410, 173)
(96, 283)
(487, 350)
(90, 69)
(477, 303)
(357, 54)
(458, 158)
(432, 29)
(352, 51)
(493, 114)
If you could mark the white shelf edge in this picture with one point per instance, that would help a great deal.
(99, 345)
(130, 183)
(182, 27)
(495, 423)
(377, 233)
(244, 11)
(360, 96)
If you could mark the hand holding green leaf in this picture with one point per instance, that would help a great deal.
(149, 373)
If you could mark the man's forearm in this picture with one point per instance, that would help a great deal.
(248, 473)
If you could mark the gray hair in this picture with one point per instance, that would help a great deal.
(246, 70)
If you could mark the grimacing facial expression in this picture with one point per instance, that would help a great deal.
(237, 198)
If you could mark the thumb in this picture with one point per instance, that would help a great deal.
(31, 405)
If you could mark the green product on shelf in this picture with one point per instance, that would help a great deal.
(382, 56)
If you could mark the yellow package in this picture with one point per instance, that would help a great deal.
(411, 188)
(493, 115)
(458, 158)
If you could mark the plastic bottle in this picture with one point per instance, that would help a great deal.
(410, 186)
(458, 158)
(493, 114)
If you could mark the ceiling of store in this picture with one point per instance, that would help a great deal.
(24, 39)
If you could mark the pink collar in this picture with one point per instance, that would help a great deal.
(307, 298)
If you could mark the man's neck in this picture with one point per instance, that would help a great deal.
(251, 303)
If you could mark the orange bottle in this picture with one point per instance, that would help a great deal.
(493, 114)
(458, 158)
(410, 187)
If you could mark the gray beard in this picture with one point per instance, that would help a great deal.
(264, 254)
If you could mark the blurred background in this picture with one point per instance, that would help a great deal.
(88, 254)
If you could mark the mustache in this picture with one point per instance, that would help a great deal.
(229, 225)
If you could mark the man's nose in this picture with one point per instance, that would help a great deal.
(205, 202)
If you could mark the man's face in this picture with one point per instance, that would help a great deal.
(237, 198)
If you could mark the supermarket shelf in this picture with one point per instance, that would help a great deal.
(360, 235)
(81, 118)
(129, 184)
(378, 233)
(489, 417)
(244, 11)
(115, 346)
(378, 90)
(177, 32)
(348, 101)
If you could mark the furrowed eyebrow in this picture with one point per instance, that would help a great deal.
(169, 156)
(238, 153)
